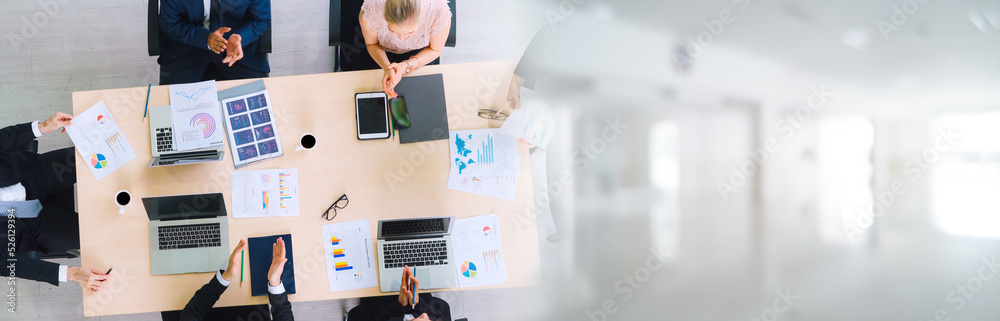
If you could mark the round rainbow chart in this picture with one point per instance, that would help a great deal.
(98, 161)
(469, 269)
(100, 119)
(206, 122)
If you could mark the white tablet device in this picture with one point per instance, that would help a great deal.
(373, 115)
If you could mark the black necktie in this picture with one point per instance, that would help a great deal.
(214, 17)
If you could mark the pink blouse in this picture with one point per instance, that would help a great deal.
(434, 15)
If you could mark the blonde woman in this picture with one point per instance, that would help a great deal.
(404, 35)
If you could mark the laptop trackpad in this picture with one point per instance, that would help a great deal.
(188, 261)
(424, 275)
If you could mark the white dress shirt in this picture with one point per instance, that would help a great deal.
(270, 289)
(208, 10)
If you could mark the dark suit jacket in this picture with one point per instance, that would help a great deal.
(205, 298)
(14, 165)
(182, 23)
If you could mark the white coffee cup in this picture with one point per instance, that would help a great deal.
(306, 142)
(123, 198)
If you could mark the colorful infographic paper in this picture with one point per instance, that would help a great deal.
(100, 141)
(195, 111)
(479, 257)
(252, 133)
(350, 259)
(265, 193)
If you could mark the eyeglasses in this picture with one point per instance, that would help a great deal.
(339, 204)
(496, 114)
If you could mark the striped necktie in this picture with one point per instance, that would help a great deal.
(21, 209)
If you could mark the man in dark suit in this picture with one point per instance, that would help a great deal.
(205, 298)
(37, 201)
(212, 39)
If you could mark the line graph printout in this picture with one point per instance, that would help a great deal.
(265, 193)
(196, 116)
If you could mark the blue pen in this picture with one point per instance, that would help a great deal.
(148, 88)
(413, 288)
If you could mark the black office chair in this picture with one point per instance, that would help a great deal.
(237, 313)
(345, 32)
(153, 31)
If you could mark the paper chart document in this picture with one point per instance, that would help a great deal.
(100, 141)
(479, 257)
(350, 260)
(265, 193)
(533, 121)
(484, 162)
(196, 117)
(252, 134)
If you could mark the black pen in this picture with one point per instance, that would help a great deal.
(109, 270)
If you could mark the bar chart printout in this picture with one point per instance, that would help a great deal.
(350, 260)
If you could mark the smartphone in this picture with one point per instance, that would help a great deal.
(373, 115)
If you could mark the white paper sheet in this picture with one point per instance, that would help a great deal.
(195, 111)
(533, 121)
(499, 186)
(100, 141)
(252, 134)
(350, 260)
(479, 256)
(265, 193)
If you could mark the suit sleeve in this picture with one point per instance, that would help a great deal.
(12, 161)
(175, 26)
(202, 301)
(29, 269)
(260, 19)
(12, 137)
(281, 309)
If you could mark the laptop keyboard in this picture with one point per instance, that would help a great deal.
(164, 139)
(415, 253)
(413, 226)
(189, 236)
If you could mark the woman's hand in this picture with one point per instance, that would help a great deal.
(387, 84)
(393, 73)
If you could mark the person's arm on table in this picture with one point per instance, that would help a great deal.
(281, 309)
(203, 300)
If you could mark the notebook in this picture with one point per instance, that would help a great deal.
(426, 106)
(260, 261)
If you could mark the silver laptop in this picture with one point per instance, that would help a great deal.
(187, 233)
(161, 139)
(421, 243)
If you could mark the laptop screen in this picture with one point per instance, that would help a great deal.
(184, 207)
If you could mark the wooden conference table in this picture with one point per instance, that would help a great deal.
(383, 179)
